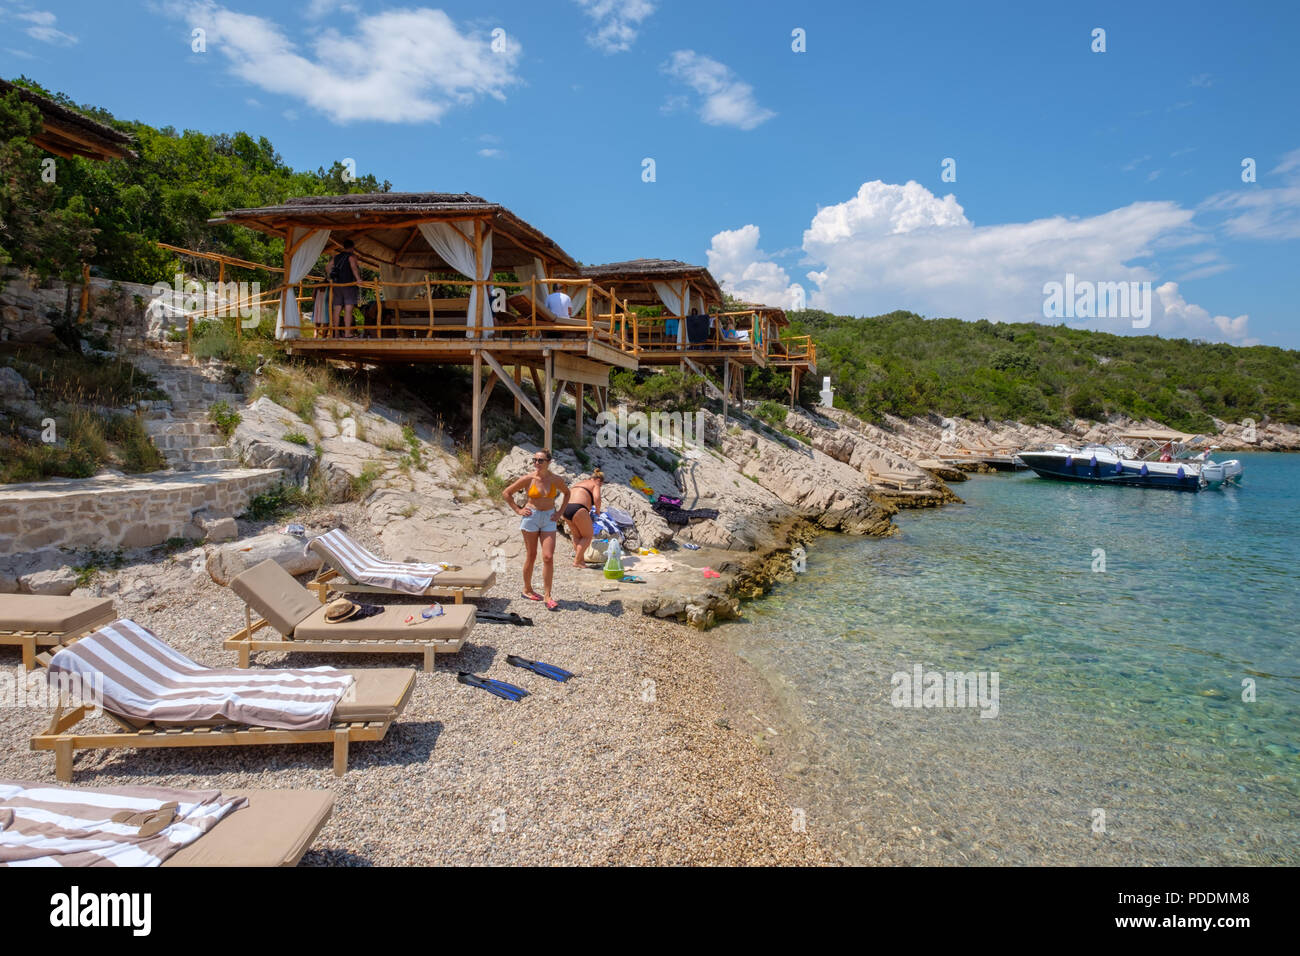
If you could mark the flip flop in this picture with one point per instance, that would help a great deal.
(632, 579)
(552, 605)
(710, 573)
(531, 597)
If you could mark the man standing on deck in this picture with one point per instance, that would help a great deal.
(559, 304)
(345, 273)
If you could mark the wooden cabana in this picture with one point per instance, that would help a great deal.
(798, 353)
(461, 281)
(693, 329)
(67, 133)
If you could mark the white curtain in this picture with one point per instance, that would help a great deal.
(389, 274)
(670, 295)
(454, 242)
(534, 270)
(287, 324)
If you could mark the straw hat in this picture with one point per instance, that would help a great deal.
(341, 610)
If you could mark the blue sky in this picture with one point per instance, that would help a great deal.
(814, 173)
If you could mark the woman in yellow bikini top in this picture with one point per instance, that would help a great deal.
(538, 522)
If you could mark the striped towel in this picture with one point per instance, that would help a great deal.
(44, 825)
(146, 680)
(365, 568)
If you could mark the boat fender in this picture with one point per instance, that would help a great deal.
(1181, 473)
(1069, 461)
(1119, 468)
(1144, 471)
(1092, 463)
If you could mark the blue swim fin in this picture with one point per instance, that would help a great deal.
(498, 688)
(537, 667)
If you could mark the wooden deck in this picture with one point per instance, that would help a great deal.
(460, 351)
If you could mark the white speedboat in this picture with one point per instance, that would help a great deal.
(1153, 460)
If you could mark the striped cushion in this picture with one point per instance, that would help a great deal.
(145, 680)
(365, 568)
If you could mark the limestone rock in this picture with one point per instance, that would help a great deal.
(227, 561)
(60, 581)
(221, 529)
(13, 387)
(259, 440)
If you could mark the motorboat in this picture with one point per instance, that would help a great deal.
(1152, 458)
(1215, 474)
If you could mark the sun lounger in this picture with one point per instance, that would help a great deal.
(289, 608)
(348, 567)
(39, 620)
(44, 824)
(160, 698)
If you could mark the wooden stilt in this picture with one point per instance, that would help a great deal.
(537, 382)
(726, 388)
(548, 410)
(577, 404)
(519, 377)
(477, 418)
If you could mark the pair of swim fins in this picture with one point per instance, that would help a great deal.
(502, 617)
(537, 667)
(498, 688)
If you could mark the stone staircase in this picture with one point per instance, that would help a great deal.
(179, 426)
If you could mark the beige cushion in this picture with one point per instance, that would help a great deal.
(272, 592)
(474, 576)
(381, 694)
(454, 624)
(60, 615)
(275, 829)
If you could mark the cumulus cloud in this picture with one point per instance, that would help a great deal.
(1263, 211)
(394, 66)
(742, 269)
(725, 99)
(616, 22)
(902, 247)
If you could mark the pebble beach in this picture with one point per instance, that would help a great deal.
(644, 759)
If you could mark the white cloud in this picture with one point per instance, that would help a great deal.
(727, 99)
(43, 28)
(1193, 317)
(394, 66)
(742, 269)
(902, 247)
(490, 153)
(1257, 211)
(616, 22)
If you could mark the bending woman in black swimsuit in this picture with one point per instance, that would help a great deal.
(585, 495)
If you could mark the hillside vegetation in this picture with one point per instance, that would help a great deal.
(905, 365)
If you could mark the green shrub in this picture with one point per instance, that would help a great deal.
(297, 438)
(774, 413)
(224, 417)
(669, 390)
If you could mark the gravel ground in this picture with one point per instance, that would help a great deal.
(637, 761)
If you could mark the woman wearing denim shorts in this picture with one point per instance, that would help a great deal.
(538, 522)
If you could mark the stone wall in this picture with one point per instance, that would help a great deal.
(24, 308)
(121, 512)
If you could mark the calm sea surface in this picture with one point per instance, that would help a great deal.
(1125, 730)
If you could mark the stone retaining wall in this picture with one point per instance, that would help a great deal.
(121, 512)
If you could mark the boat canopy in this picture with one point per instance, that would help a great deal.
(1157, 434)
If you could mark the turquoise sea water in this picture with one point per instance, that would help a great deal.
(1122, 734)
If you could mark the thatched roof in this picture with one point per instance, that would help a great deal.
(67, 133)
(634, 280)
(384, 227)
(774, 313)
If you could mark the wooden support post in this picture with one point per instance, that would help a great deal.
(340, 751)
(726, 388)
(519, 377)
(577, 404)
(476, 426)
(794, 384)
(537, 382)
(549, 409)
